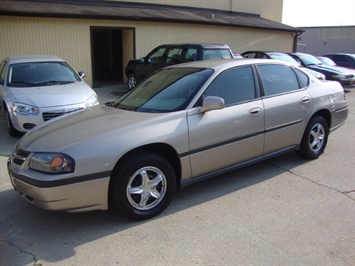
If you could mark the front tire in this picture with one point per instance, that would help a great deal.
(142, 186)
(132, 81)
(13, 132)
(315, 138)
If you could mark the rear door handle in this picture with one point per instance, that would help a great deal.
(305, 99)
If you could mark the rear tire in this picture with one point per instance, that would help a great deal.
(314, 139)
(142, 186)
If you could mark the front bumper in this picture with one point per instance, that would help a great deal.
(72, 197)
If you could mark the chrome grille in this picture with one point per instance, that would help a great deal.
(50, 115)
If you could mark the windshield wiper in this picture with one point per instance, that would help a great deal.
(53, 82)
(24, 83)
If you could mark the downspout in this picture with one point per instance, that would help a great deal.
(295, 40)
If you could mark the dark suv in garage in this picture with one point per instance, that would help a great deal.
(170, 54)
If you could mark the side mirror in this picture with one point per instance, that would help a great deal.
(142, 59)
(82, 74)
(212, 103)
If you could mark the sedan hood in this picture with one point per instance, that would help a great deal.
(56, 95)
(100, 121)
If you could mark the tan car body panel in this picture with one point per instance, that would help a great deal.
(203, 141)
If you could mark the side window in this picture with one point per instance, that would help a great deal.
(278, 79)
(216, 54)
(191, 54)
(340, 58)
(174, 56)
(250, 55)
(3, 67)
(303, 78)
(234, 85)
(157, 56)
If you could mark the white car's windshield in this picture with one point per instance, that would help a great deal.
(165, 91)
(40, 74)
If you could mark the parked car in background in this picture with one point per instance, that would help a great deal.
(342, 59)
(35, 89)
(329, 62)
(171, 54)
(282, 57)
(345, 77)
(183, 124)
(237, 56)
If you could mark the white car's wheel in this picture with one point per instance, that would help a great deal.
(10, 127)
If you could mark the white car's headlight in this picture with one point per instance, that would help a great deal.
(25, 109)
(52, 163)
(338, 76)
(92, 101)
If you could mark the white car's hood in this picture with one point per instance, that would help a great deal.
(57, 95)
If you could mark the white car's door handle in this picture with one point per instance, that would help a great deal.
(255, 111)
(305, 99)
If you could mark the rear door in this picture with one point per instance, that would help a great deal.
(287, 105)
(234, 134)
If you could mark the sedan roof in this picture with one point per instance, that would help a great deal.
(34, 58)
(223, 63)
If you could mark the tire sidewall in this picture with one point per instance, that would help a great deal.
(132, 77)
(305, 150)
(121, 179)
(10, 128)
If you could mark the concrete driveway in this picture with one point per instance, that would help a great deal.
(284, 211)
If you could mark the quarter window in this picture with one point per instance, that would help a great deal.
(278, 79)
(304, 80)
(234, 86)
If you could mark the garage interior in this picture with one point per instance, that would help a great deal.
(107, 48)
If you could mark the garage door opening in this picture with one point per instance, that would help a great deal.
(111, 48)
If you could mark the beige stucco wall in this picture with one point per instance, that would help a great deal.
(270, 9)
(70, 38)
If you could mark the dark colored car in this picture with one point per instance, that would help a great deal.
(331, 73)
(171, 54)
(329, 62)
(341, 59)
(282, 57)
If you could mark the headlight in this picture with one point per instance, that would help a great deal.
(92, 101)
(24, 109)
(338, 76)
(52, 163)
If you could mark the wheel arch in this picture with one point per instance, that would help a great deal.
(325, 114)
(163, 149)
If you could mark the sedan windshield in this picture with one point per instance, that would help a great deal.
(165, 91)
(41, 74)
(310, 60)
(284, 57)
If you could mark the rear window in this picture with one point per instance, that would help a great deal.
(216, 54)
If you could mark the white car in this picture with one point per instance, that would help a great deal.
(34, 89)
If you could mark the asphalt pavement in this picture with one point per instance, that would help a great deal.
(283, 211)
